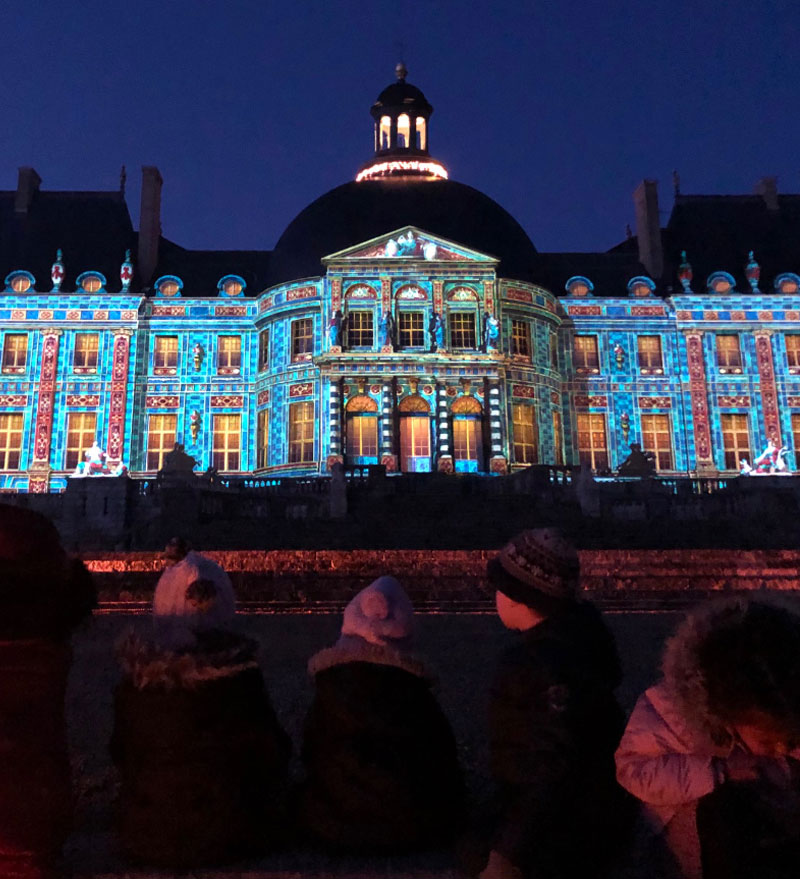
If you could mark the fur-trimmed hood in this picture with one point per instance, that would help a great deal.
(215, 655)
(686, 680)
(355, 649)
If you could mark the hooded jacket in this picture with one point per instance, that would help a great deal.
(202, 757)
(673, 750)
(382, 771)
(553, 726)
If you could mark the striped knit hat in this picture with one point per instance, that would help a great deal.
(540, 560)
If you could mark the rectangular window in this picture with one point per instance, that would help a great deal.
(81, 433)
(521, 338)
(301, 433)
(165, 354)
(735, 440)
(87, 346)
(558, 438)
(359, 329)
(649, 354)
(793, 351)
(592, 444)
(462, 329)
(415, 443)
(729, 352)
(468, 442)
(161, 437)
(229, 355)
(524, 426)
(263, 350)
(226, 449)
(362, 436)
(15, 352)
(585, 354)
(262, 439)
(657, 438)
(10, 441)
(411, 329)
(302, 339)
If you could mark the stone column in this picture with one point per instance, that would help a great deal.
(443, 452)
(769, 391)
(499, 463)
(388, 454)
(335, 415)
(698, 395)
(120, 368)
(39, 471)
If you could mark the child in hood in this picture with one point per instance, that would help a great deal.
(380, 757)
(712, 750)
(202, 757)
(554, 721)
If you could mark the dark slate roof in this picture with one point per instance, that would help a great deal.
(200, 270)
(609, 272)
(356, 212)
(402, 94)
(717, 231)
(92, 228)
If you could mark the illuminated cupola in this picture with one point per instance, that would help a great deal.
(401, 116)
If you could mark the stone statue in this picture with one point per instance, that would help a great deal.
(638, 463)
(491, 332)
(387, 329)
(436, 332)
(335, 329)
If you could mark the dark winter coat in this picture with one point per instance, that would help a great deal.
(201, 755)
(554, 724)
(380, 757)
(43, 596)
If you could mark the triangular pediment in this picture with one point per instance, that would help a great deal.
(411, 243)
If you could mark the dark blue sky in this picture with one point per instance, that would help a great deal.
(252, 109)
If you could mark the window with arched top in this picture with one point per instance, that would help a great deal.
(386, 132)
(361, 430)
(415, 434)
(467, 415)
(420, 134)
(403, 130)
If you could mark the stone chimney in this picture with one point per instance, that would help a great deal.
(28, 184)
(648, 227)
(149, 223)
(767, 188)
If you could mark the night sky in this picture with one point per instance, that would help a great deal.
(253, 109)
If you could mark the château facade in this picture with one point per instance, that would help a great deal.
(403, 319)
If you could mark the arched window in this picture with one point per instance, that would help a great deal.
(361, 441)
(386, 132)
(467, 435)
(420, 138)
(415, 434)
(403, 131)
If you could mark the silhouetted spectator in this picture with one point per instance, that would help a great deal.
(381, 762)
(553, 719)
(43, 596)
(202, 757)
(712, 750)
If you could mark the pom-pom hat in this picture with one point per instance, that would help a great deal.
(539, 561)
(381, 614)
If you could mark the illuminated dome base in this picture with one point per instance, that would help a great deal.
(397, 167)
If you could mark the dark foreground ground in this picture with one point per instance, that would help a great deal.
(461, 648)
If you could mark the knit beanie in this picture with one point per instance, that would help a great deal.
(381, 614)
(538, 562)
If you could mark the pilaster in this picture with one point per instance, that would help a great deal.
(769, 391)
(39, 472)
(120, 368)
(698, 394)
